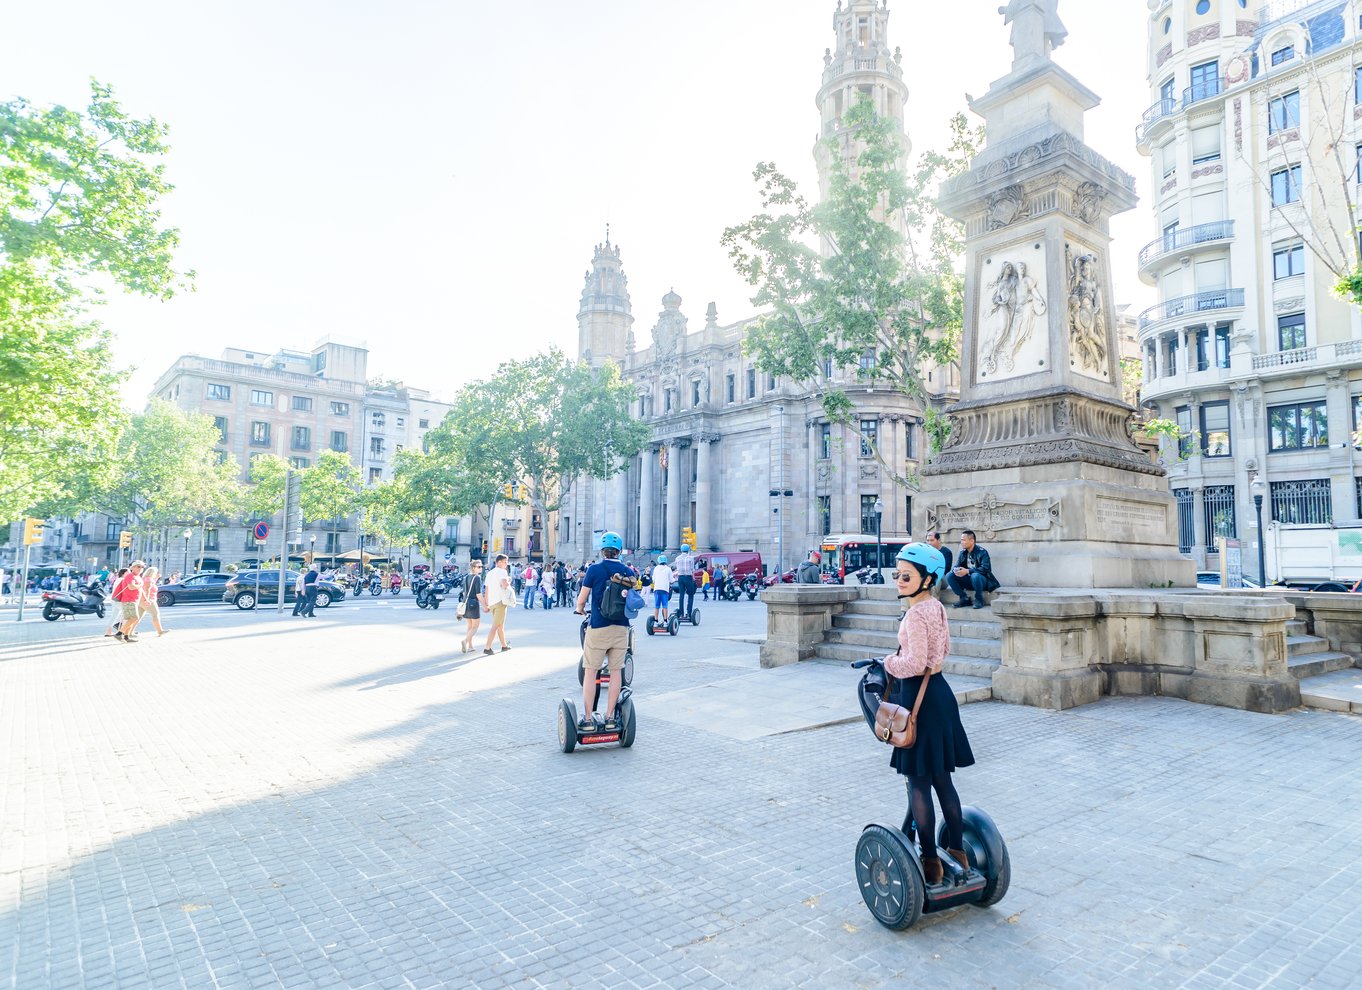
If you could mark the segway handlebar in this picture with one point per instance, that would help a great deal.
(858, 664)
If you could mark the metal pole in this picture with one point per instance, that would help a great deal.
(23, 584)
(283, 553)
(879, 543)
(780, 494)
(1262, 555)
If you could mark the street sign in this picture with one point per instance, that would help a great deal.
(261, 530)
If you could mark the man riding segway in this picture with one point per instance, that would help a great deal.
(607, 639)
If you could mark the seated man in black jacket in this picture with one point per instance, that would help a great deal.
(972, 571)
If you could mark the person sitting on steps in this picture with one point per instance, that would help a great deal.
(973, 571)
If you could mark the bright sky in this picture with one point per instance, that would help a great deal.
(429, 178)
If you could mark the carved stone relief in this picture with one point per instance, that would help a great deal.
(991, 515)
(1088, 202)
(1006, 206)
(1013, 337)
(1087, 315)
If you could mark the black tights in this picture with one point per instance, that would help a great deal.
(924, 815)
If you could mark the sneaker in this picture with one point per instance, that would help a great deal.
(978, 604)
(962, 603)
(487, 653)
(119, 635)
(587, 723)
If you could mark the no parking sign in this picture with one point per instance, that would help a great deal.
(260, 531)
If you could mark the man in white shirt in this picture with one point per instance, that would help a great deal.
(662, 589)
(497, 596)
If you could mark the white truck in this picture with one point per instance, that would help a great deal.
(1314, 557)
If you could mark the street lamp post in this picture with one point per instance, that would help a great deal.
(187, 534)
(312, 557)
(1258, 488)
(879, 543)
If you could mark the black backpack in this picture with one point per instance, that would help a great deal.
(612, 599)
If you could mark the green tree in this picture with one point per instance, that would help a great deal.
(330, 489)
(424, 487)
(543, 421)
(869, 279)
(78, 209)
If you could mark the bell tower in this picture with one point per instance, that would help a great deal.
(862, 65)
(605, 319)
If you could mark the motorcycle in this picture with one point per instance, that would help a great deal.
(870, 575)
(751, 587)
(430, 593)
(375, 586)
(395, 585)
(89, 601)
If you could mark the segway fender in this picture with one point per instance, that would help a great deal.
(988, 834)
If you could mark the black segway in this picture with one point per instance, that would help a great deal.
(568, 736)
(672, 626)
(888, 870)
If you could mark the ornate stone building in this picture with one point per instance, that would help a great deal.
(733, 449)
(1248, 349)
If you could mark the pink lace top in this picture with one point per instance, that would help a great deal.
(925, 638)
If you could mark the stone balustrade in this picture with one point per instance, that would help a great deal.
(798, 616)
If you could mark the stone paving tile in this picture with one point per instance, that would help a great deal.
(255, 802)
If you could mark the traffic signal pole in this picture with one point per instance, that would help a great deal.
(23, 584)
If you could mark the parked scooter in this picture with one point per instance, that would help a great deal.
(88, 601)
(870, 575)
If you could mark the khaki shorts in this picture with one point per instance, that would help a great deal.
(129, 609)
(499, 614)
(607, 641)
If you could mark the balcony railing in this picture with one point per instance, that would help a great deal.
(1203, 233)
(1163, 108)
(1201, 302)
(1202, 91)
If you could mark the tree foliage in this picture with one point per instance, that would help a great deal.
(868, 279)
(424, 487)
(78, 198)
(543, 421)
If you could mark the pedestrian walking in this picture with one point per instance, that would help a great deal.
(127, 592)
(150, 606)
(704, 582)
(546, 584)
(310, 591)
(518, 579)
(720, 578)
(472, 605)
(497, 598)
(299, 593)
(531, 585)
(560, 583)
(942, 746)
(116, 619)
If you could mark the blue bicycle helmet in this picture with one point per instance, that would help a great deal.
(685, 548)
(930, 558)
(662, 558)
(611, 541)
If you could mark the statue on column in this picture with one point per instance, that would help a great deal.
(1036, 28)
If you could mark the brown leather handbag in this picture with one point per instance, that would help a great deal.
(895, 724)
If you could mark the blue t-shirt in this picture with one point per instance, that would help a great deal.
(597, 577)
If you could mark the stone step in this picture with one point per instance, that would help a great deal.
(870, 623)
(874, 640)
(864, 606)
(1296, 627)
(970, 689)
(1299, 646)
(1338, 691)
(964, 646)
(1313, 664)
(970, 667)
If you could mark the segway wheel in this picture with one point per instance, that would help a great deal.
(977, 851)
(649, 625)
(630, 724)
(695, 617)
(889, 882)
(673, 625)
(567, 726)
(628, 673)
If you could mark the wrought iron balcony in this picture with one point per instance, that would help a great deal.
(1200, 302)
(1181, 239)
(1204, 90)
(1161, 110)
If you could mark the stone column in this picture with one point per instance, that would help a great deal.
(619, 514)
(678, 485)
(646, 497)
(703, 490)
(1198, 524)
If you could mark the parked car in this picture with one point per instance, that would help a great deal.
(1211, 579)
(740, 563)
(241, 589)
(205, 587)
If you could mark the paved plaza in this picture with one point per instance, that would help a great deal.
(260, 801)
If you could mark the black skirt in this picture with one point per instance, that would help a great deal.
(941, 745)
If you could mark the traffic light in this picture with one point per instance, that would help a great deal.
(688, 538)
(33, 530)
(124, 540)
(484, 548)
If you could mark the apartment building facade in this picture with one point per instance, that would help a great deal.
(1254, 214)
